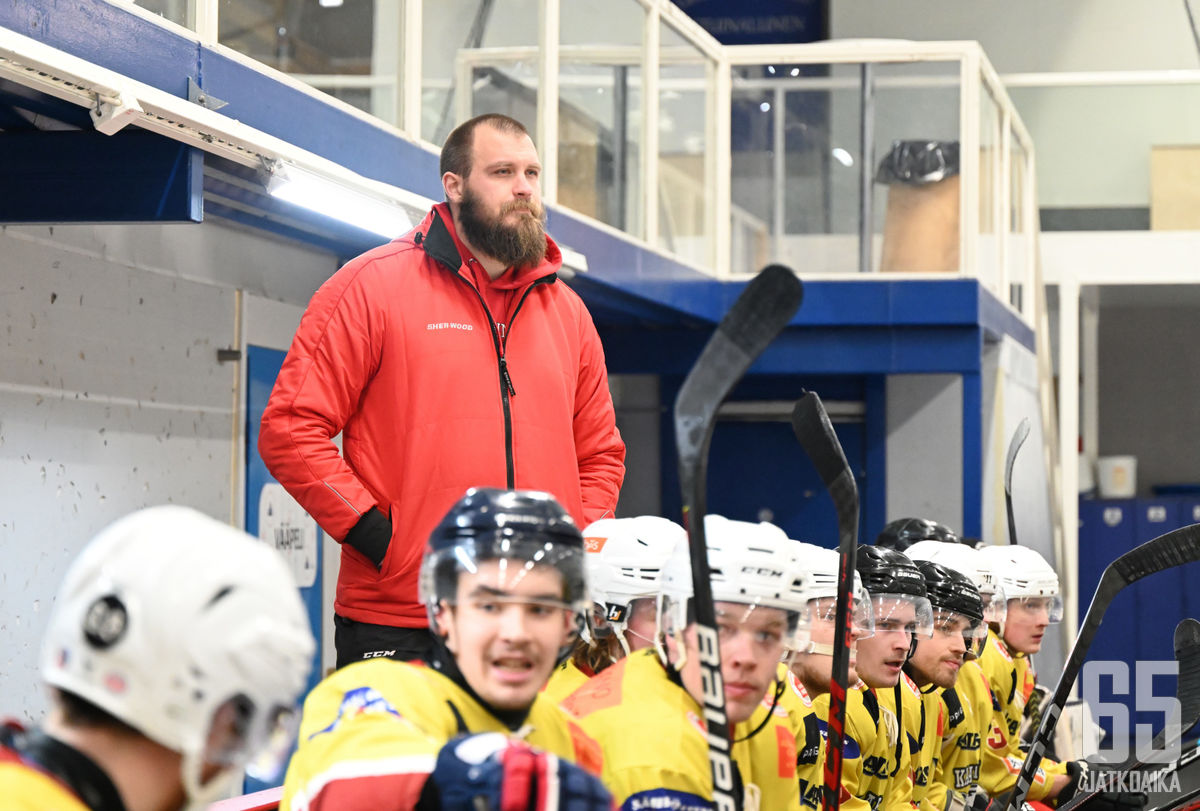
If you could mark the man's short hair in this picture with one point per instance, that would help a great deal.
(456, 152)
(79, 712)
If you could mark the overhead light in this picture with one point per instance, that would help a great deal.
(321, 194)
(573, 262)
(842, 156)
(330, 3)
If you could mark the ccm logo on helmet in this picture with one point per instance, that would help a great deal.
(762, 571)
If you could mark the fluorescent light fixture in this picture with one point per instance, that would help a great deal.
(573, 262)
(330, 3)
(332, 198)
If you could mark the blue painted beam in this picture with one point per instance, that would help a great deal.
(83, 176)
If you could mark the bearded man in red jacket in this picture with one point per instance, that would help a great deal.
(452, 357)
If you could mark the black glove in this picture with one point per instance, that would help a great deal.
(372, 536)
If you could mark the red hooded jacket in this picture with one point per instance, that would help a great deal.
(398, 352)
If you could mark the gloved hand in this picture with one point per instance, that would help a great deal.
(492, 772)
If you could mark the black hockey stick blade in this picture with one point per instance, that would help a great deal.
(815, 432)
(1018, 439)
(1187, 688)
(1164, 552)
(757, 316)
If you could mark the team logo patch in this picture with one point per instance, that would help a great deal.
(105, 622)
(850, 747)
(356, 702)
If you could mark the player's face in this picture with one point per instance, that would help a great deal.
(642, 624)
(937, 660)
(498, 204)
(815, 670)
(1026, 623)
(881, 657)
(505, 636)
(751, 640)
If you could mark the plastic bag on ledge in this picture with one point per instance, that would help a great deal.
(917, 163)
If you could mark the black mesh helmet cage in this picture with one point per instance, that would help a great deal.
(904, 532)
(886, 571)
(950, 590)
(491, 524)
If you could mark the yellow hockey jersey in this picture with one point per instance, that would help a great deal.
(564, 680)
(655, 747)
(967, 709)
(46, 775)
(24, 788)
(871, 755)
(1011, 679)
(371, 732)
(921, 719)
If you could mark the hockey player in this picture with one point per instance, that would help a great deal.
(624, 559)
(175, 654)
(807, 702)
(902, 616)
(646, 711)
(503, 582)
(967, 706)
(935, 667)
(1031, 588)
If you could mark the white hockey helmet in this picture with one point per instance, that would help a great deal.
(751, 564)
(1025, 576)
(822, 566)
(624, 562)
(173, 622)
(968, 561)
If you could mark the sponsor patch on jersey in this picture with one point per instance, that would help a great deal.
(356, 702)
(966, 776)
(850, 747)
(665, 799)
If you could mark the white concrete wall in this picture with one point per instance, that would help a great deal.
(924, 448)
(111, 396)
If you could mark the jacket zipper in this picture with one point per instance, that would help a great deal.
(507, 389)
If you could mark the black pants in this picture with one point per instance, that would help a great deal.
(356, 641)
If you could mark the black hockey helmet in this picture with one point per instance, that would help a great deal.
(525, 527)
(950, 590)
(956, 603)
(904, 532)
(887, 571)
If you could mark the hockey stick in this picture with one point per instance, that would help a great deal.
(759, 314)
(1014, 445)
(1187, 692)
(1164, 552)
(811, 425)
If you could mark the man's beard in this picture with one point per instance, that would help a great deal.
(518, 245)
